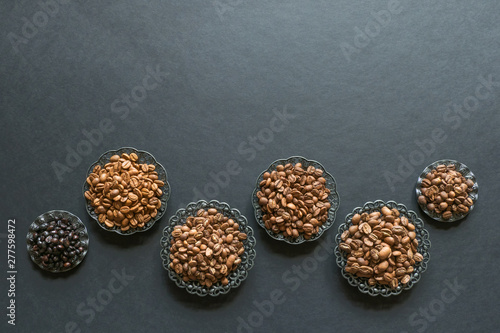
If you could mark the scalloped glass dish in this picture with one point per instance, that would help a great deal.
(54, 215)
(247, 258)
(333, 198)
(465, 171)
(144, 157)
(424, 245)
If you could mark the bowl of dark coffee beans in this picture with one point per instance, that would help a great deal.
(57, 241)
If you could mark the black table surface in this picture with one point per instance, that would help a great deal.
(375, 91)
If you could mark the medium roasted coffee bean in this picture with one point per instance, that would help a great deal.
(365, 228)
(214, 245)
(345, 247)
(381, 247)
(405, 279)
(444, 191)
(447, 215)
(418, 257)
(463, 209)
(394, 283)
(385, 252)
(294, 201)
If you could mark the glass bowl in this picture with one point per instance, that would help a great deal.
(247, 258)
(333, 198)
(144, 157)
(79, 229)
(465, 171)
(424, 245)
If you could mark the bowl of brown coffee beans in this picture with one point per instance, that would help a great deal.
(447, 190)
(57, 241)
(208, 248)
(382, 248)
(126, 191)
(295, 200)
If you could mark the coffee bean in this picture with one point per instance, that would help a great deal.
(447, 215)
(54, 249)
(365, 228)
(422, 200)
(405, 279)
(385, 254)
(124, 189)
(206, 251)
(294, 201)
(444, 191)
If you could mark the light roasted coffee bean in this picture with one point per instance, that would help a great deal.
(122, 192)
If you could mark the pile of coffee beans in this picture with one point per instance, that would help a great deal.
(207, 248)
(294, 200)
(445, 191)
(382, 247)
(124, 193)
(56, 244)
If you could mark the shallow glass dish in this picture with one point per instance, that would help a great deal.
(73, 220)
(333, 198)
(247, 258)
(144, 157)
(465, 171)
(424, 245)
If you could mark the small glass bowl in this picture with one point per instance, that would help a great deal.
(333, 198)
(247, 258)
(465, 171)
(49, 216)
(424, 245)
(144, 157)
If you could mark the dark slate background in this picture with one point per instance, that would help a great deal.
(375, 91)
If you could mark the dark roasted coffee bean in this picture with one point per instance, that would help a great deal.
(52, 245)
